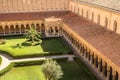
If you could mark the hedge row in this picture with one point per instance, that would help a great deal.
(31, 55)
(5, 70)
(36, 62)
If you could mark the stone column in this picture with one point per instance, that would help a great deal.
(91, 57)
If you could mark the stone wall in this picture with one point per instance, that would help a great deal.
(32, 5)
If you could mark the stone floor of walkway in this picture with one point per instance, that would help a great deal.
(6, 60)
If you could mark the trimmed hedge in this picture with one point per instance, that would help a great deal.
(36, 62)
(31, 55)
(34, 54)
(5, 70)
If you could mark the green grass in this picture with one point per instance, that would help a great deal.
(48, 46)
(71, 70)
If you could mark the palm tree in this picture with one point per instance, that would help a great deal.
(32, 35)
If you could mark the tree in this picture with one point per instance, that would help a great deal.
(52, 70)
(32, 35)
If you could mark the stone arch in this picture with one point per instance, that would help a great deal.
(42, 28)
(115, 26)
(1, 30)
(92, 16)
(12, 29)
(99, 19)
(17, 29)
(32, 25)
(38, 26)
(56, 29)
(22, 28)
(6, 29)
(27, 27)
(106, 22)
(50, 30)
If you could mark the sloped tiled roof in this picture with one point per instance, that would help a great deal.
(111, 4)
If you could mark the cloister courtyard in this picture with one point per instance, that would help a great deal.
(31, 70)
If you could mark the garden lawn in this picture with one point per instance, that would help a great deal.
(48, 46)
(71, 70)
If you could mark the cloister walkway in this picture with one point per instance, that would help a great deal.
(6, 60)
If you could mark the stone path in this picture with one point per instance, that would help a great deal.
(6, 60)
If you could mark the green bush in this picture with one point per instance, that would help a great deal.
(5, 70)
(2, 41)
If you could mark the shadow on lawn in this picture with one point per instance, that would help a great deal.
(55, 46)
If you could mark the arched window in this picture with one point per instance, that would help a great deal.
(22, 28)
(50, 30)
(99, 19)
(106, 22)
(92, 18)
(17, 29)
(42, 28)
(1, 30)
(115, 26)
(6, 29)
(37, 27)
(27, 27)
(56, 29)
(12, 30)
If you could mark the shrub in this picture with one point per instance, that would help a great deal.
(52, 70)
(5, 70)
(2, 41)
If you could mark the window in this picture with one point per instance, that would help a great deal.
(115, 26)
